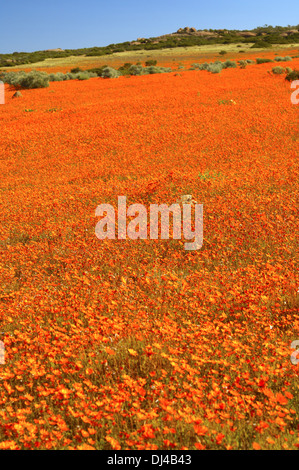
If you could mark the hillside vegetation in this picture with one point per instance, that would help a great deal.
(260, 37)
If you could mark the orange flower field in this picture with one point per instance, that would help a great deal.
(140, 344)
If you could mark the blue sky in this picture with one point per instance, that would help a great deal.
(30, 25)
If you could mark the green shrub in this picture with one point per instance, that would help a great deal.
(200, 66)
(278, 70)
(294, 75)
(243, 64)
(109, 72)
(150, 62)
(263, 61)
(229, 64)
(136, 70)
(76, 70)
(126, 66)
(70, 76)
(82, 76)
(261, 45)
(222, 52)
(124, 69)
(52, 77)
(12, 78)
(97, 70)
(59, 77)
(215, 68)
(151, 70)
(283, 59)
(33, 79)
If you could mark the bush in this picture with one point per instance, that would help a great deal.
(59, 77)
(229, 64)
(294, 75)
(215, 68)
(278, 70)
(12, 78)
(124, 69)
(139, 70)
(109, 72)
(263, 61)
(150, 62)
(136, 70)
(222, 52)
(97, 70)
(52, 77)
(243, 64)
(196, 66)
(126, 66)
(261, 45)
(151, 70)
(82, 76)
(32, 79)
(70, 76)
(283, 59)
(35, 79)
(76, 70)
